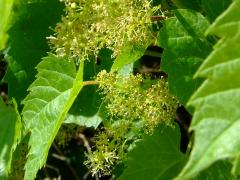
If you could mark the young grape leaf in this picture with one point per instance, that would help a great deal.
(185, 47)
(129, 55)
(28, 43)
(45, 108)
(156, 157)
(5, 12)
(216, 120)
(10, 134)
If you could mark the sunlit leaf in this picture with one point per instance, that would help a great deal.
(216, 120)
(5, 12)
(45, 108)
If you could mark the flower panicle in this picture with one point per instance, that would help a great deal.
(134, 106)
(90, 25)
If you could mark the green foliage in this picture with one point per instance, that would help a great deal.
(129, 55)
(101, 87)
(185, 47)
(27, 42)
(220, 170)
(217, 100)
(51, 96)
(10, 134)
(156, 157)
(212, 11)
(187, 4)
(5, 12)
(86, 109)
(19, 159)
(92, 121)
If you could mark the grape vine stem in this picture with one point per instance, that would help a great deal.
(87, 83)
(157, 18)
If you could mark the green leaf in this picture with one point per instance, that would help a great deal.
(156, 157)
(91, 121)
(216, 120)
(28, 43)
(5, 12)
(10, 134)
(185, 47)
(219, 171)
(213, 8)
(45, 108)
(86, 108)
(159, 157)
(129, 55)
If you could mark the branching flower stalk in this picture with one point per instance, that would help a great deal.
(135, 106)
(90, 25)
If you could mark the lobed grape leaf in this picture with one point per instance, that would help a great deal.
(10, 134)
(156, 157)
(216, 120)
(185, 47)
(46, 106)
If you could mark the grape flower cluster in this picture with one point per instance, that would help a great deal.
(135, 106)
(90, 25)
